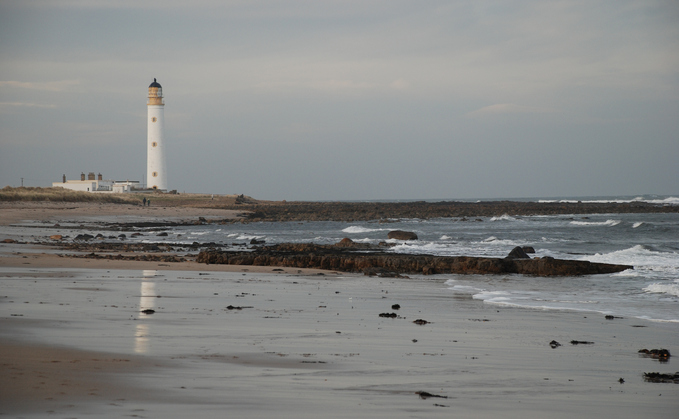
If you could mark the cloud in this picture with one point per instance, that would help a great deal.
(50, 86)
(27, 105)
(399, 84)
(506, 108)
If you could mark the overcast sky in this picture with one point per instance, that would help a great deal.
(347, 100)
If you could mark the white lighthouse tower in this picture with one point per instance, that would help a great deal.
(156, 173)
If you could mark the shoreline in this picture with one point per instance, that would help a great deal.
(296, 343)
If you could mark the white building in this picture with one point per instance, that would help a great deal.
(96, 184)
(156, 172)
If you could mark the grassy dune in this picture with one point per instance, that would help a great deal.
(37, 194)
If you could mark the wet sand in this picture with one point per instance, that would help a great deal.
(239, 342)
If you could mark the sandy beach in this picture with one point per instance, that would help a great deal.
(262, 342)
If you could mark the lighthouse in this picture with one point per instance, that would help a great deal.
(156, 172)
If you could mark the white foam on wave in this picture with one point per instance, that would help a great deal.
(659, 288)
(638, 255)
(359, 230)
(505, 217)
(427, 248)
(500, 242)
(444, 237)
(492, 295)
(639, 224)
(465, 289)
(597, 223)
(249, 237)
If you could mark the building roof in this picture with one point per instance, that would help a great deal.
(154, 84)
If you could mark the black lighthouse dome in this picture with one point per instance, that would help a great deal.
(155, 84)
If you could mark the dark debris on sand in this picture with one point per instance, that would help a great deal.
(662, 355)
(656, 377)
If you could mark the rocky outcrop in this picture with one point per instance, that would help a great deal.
(464, 211)
(348, 259)
(402, 235)
(518, 253)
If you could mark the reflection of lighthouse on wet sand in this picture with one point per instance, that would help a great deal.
(146, 301)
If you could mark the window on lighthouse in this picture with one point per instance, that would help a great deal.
(155, 174)
(154, 119)
(153, 144)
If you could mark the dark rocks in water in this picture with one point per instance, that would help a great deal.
(402, 235)
(390, 315)
(421, 322)
(656, 377)
(464, 211)
(9, 241)
(255, 241)
(83, 237)
(391, 275)
(518, 253)
(581, 342)
(609, 317)
(345, 242)
(621, 380)
(554, 344)
(661, 355)
(163, 234)
(396, 307)
(372, 260)
(528, 249)
(148, 311)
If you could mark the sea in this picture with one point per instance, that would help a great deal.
(648, 242)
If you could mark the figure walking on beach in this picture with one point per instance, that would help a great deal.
(144, 201)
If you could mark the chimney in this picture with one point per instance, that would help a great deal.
(90, 176)
(100, 177)
(64, 179)
(82, 176)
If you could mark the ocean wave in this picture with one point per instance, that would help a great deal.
(465, 289)
(504, 217)
(249, 237)
(444, 237)
(672, 200)
(658, 288)
(427, 248)
(639, 224)
(359, 230)
(650, 263)
(597, 223)
(500, 242)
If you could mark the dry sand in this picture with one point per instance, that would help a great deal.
(243, 342)
(15, 212)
